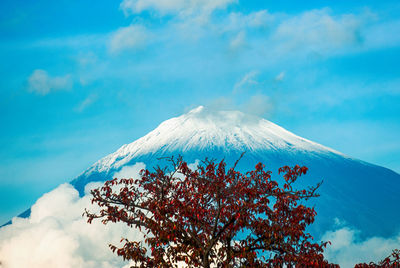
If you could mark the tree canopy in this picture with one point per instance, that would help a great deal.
(213, 216)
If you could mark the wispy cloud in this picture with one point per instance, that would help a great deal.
(89, 100)
(248, 79)
(238, 41)
(42, 83)
(182, 8)
(280, 35)
(256, 19)
(131, 37)
(248, 95)
(317, 31)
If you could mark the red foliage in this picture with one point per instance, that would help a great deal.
(213, 216)
(393, 261)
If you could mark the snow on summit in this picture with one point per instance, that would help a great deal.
(202, 128)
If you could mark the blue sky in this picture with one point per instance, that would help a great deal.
(79, 79)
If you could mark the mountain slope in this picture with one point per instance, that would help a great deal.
(361, 194)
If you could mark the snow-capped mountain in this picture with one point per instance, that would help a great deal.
(201, 131)
(363, 195)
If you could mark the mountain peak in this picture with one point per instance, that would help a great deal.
(204, 129)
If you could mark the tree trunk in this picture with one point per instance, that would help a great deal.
(206, 261)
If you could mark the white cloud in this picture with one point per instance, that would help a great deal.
(234, 24)
(311, 31)
(42, 83)
(276, 36)
(181, 8)
(56, 234)
(237, 20)
(347, 249)
(259, 18)
(128, 172)
(131, 37)
(318, 30)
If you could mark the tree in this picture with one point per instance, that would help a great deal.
(212, 216)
